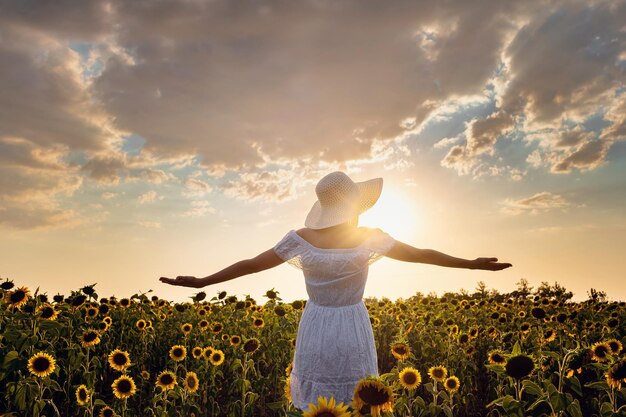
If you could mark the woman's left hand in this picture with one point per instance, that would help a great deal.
(181, 280)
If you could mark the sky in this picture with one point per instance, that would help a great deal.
(141, 139)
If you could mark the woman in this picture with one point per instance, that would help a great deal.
(335, 343)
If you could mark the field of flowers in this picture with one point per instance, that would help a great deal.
(482, 354)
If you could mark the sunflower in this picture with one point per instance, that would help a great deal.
(410, 378)
(141, 324)
(106, 411)
(191, 382)
(47, 312)
(288, 388)
(235, 340)
(206, 352)
(90, 338)
(251, 345)
(524, 327)
(521, 314)
(600, 351)
(166, 380)
(119, 360)
(91, 312)
(145, 375)
(196, 352)
(451, 384)
(18, 297)
(178, 353)
(82, 395)
(496, 357)
(327, 408)
(217, 357)
(225, 337)
(125, 302)
(549, 335)
(374, 393)
(288, 369)
(108, 320)
(473, 332)
(616, 374)
(186, 328)
(400, 351)
(454, 329)
(519, 366)
(258, 322)
(41, 364)
(615, 345)
(463, 338)
(203, 325)
(217, 327)
(124, 387)
(438, 373)
(103, 327)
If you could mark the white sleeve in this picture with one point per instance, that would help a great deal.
(379, 244)
(288, 249)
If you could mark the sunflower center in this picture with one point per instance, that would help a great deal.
(178, 352)
(82, 394)
(41, 364)
(166, 379)
(47, 312)
(373, 395)
(90, 337)
(124, 386)
(119, 359)
(191, 382)
(410, 378)
(451, 384)
(438, 373)
(18, 296)
(325, 414)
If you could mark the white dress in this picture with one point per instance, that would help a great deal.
(335, 343)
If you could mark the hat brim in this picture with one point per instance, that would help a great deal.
(320, 217)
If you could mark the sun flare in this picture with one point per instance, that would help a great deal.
(394, 213)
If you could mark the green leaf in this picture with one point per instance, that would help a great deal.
(10, 357)
(573, 383)
(532, 388)
(606, 410)
(574, 409)
(517, 350)
(447, 411)
(599, 385)
(496, 368)
(277, 405)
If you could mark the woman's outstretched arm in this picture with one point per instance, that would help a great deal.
(403, 252)
(265, 260)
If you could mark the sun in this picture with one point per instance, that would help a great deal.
(394, 213)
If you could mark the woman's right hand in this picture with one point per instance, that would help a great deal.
(489, 264)
(181, 280)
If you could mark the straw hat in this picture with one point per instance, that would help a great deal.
(339, 199)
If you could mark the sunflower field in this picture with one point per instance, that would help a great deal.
(485, 354)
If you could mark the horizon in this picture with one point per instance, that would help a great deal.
(176, 138)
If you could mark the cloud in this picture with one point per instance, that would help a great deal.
(538, 203)
(150, 225)
(196, 188)
(243, 91)
(199, 209)
(558, 69)
(149, 197)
